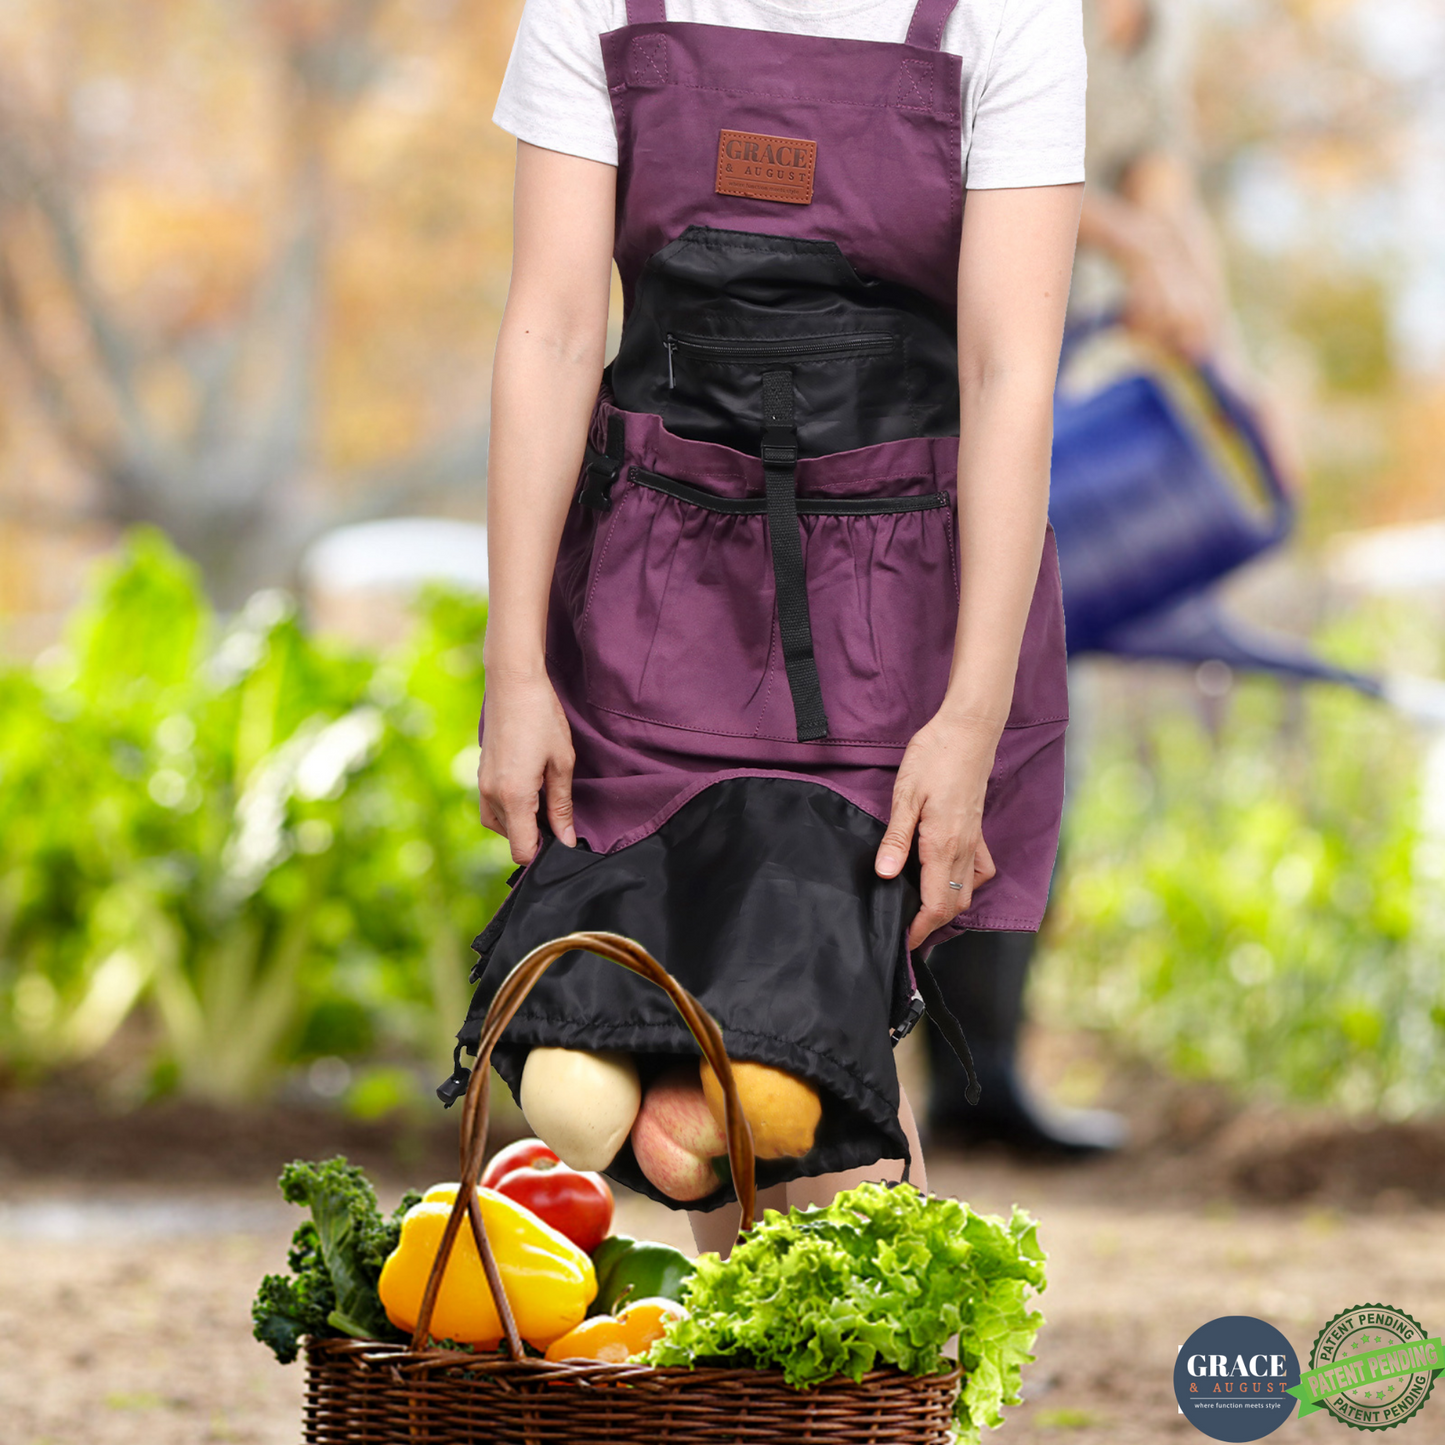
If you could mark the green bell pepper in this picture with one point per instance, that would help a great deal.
(632, 1269)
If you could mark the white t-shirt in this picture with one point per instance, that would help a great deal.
(1023, 74)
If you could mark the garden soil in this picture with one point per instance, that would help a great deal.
(130, 1247)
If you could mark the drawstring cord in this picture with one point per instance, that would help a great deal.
(944, 1021)
(451, 1089)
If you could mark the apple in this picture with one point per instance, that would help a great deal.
(676, 1138)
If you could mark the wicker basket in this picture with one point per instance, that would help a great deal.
(361, 1392)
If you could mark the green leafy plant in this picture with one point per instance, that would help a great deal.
(880, 1276)
(335, 1259)
(1244, 903)
(268, 841)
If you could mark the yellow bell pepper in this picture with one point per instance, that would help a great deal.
(549, 1281)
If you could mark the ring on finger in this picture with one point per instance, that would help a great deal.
(958, 886)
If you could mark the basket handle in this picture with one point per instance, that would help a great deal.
(508, 999)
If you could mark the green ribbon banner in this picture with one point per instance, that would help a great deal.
(1369, 1367)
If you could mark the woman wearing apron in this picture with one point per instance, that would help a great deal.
(775, 665)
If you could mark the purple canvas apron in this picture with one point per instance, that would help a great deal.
(755, 598)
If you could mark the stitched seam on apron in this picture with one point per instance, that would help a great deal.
(644, 69)
(953, 549)
(968, 920)
(769, 674)
(597, 570)
(758, 735)
(661, 608)
(914, 72)
(795, 99)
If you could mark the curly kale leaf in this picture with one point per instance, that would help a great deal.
(287, 1308)
(335, 1258)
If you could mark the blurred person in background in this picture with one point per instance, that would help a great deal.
(1148, 257)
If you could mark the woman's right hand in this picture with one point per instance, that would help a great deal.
(550, 350)
(526, 751)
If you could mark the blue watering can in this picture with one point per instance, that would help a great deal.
(1162, 486)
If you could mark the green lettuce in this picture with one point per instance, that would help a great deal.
(882, 1276)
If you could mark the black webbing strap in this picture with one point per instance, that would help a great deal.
(940, 1017)
(601, 469)
(780, 468)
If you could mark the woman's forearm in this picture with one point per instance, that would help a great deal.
(549, 361)
(1003, 490)
(542, 395)
(1013, 287)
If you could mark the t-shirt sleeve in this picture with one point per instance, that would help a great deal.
(1028, 128)
(554, 93)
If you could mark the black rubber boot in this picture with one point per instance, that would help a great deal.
(982, 977)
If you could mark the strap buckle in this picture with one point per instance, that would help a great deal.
(601, 473)
(601, 470)
(915, 1012)
(780, 445)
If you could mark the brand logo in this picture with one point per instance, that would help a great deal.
(766, 167)
(1371, 1367)
(1233, 1377)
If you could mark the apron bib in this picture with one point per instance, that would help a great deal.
(756, 594)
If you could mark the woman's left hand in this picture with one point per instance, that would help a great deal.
(939, 791)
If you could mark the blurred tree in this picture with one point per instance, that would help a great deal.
(1316, 124)
(251, 255)
(1346, 320)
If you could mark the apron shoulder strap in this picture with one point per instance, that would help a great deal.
(925, 30)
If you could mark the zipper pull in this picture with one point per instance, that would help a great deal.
(671, 346)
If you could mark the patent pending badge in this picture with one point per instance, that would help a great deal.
(1372, 1367)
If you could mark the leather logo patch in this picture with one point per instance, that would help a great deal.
(766, 167)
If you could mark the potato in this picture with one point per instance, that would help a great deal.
(581, 1104)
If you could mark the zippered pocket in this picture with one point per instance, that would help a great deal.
(765, 350)
(850, 386)
(807, 506)
(713, 310)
